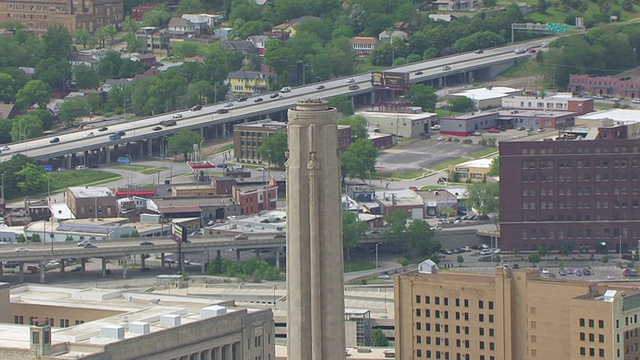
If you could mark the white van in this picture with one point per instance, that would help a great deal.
(81, 167)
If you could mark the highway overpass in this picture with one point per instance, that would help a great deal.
(465, 68)
(41, 253)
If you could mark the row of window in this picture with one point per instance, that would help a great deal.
(580, 232)
(571, 149)
(446, 355)
(445, 314)
(598, 190)
(580, 164)
(592, 352)
(445, 301)
(581, 204)
(19, 319)
(550, 178)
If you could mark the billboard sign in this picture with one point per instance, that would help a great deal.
(179, 233)
(390, 80)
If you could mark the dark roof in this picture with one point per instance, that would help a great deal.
(240, 45)
(246, 75)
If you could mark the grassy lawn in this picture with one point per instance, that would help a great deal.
(147, 170)
(223, 148)
(399, 175)
(353, 266)
(60, 180)
(525, 69)
(485, 152)
(445, 112)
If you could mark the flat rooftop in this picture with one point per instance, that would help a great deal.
(91, 192)
(626, 115)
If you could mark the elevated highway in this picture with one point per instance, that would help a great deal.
(464, 68)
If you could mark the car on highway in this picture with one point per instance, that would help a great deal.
(89, 134)
(610, 277)
(196, 107)
(520, 50)
(76, 269)
(242, 98)
(273, 96)
(354, 87)
(84, 243)
(146, 243)
(479, 51)
(90, 246)
(121, 133)
(168, 122)
(258, 100)
(319, 87)
(115, 137)
(418, 73)
(279, 236)
(533, 51)
(104, 128)
(222, 111)
(177, 116)
(446, 67)
(351, 80)
(20, 250)
(157, 128)
(228, 104)
(285, 89)
(54, 140)
(241, 237)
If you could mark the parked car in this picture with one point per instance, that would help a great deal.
(177, 116)
(578, 272)
(279, 236)
(586, 272)
(441, 138)
(493, 131)
(54, 140)
(33, 268)
(52, 263)
(561, 272)
(196, 107)
(476, 133)
(222, 166)
(435, 127)
(81, 167)
(636, 101)
(522, 128)
(610, 277)
(467, 141)
(629, 273)
(319, 87)
(11, 264)
(76, 269)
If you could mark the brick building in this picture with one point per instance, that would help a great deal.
(37, 15)
(253, 199)
(247, 138)
(625, 86)
(573, 192)
(83, 201)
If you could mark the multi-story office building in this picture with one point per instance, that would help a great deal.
(62, 323)
(513, 314)
(37, 15)
(581, 192)
(247, 138)
(627, 86)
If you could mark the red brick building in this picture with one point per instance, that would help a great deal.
(572, 193)
(254, 199)
(605, 85)
(83, 201)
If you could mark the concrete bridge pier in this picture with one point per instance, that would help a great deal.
(107, 159)
(21, 271)
(103, 271)
(124, 267)
(43, 268)
(203, 263)
(161, 260)
(143, 261)
(83, 265)
(237, 255)
(62, 265)
(68, 161)
(277, 251)
(149, 146)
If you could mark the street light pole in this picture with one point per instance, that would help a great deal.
(131, 171)
(2, 186)
(620, 247)
(48, 188)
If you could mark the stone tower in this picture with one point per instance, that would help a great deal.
(315, 281)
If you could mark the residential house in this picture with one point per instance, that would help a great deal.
(405, 26)
(115, 83)
(137, 13)
(244, 47)
(181, 27)
(248, 82)
(8, 111)
(223, 32)
(76, 59)
(154, 40)
(442, 17)
(395, 34)
(149, 73)
(259, 42)
(144, 58)
(288, 29)
(450, 5)
(364, 45)
(200, 22)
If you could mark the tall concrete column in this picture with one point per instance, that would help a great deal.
(143, 261)
(107, 159)
(21, 271)
(62, 265)
(237, 255)
(124, 268)
(315, 294)
(68, 161)
(277, 251)
(203, 263)
(161, 259)
(43, 268)
(150, 146)
(83, 265)
(104, 267)
(218, 254)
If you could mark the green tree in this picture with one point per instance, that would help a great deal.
(71, 110)
(565, 250)
(396, 227)
(54, 72)
(605, 259)
(158, 16)
(460, 259)
(133, 42)
(358, 125)
(34, 92)
(191, 7)
(110, 31)
(461, 104)
(342, 104)
(420, 238)
(494, 170)
(273, 148)
(359, 160)
(20, 239)
(27, 126)
(7, 88)
(483, 197)
(82, 37)
(182, 142)
(35, 238)
(379, 339)
(534, 258)
(86, 77)
(130, 25)
(57, 42)
(33, 179)
(543, 251)
(352, 231)
(423, 96)
(109, 65)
